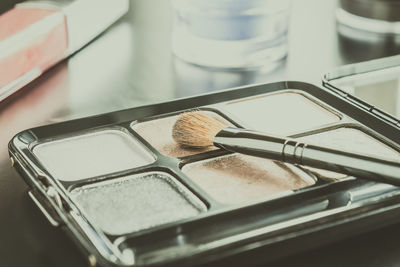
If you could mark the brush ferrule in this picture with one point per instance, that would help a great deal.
(259, 145)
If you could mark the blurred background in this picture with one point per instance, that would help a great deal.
(132, 64)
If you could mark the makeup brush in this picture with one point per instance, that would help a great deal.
(196, 129)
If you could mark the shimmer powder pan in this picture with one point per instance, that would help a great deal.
(137, 202)
(236, 179)
(92, 154)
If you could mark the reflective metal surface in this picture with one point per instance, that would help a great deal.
(375, 82)
(130, 65)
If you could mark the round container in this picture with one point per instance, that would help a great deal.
(232, 34)
(378, 16)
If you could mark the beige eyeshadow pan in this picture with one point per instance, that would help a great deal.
(158, 133)
(236, 179)
(283, 113)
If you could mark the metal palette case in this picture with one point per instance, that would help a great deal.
(325, 207)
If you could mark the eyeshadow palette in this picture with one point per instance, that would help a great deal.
(130, 196)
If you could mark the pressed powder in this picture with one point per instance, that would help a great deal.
(283, 113)
(92, 154)
(136, 202)
(235, 179)
(158, 133)
(352, 140)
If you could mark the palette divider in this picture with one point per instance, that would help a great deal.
(71, 185)
(205, 197)
(346, 123)
(173, 167)
(376, 135)
(147, 145)
(203, 156)
(318, 102)
(240, 123)
(132, 123)
(214, 109)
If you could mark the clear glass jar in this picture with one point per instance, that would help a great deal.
(232, 34)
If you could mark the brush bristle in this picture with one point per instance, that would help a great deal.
(195, 129)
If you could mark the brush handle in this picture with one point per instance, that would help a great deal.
(291, 151)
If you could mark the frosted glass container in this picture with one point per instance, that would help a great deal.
(230, 33)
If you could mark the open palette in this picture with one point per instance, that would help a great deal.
(129, 195)
(376, 83)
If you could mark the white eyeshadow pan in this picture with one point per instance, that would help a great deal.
(92, 154)
(284, 113)
(136, 202)
(352, 140)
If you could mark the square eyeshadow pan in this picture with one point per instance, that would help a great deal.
(136, 202)
(92, 154)
(236, 178)
(280, 113)
(158, 133)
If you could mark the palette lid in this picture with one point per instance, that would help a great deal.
(372, 85)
